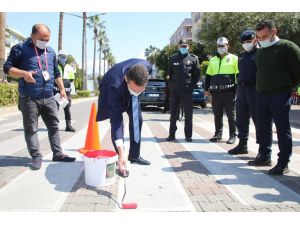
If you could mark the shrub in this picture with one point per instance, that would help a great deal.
(83, 94)
(8, 93)
(203, 67)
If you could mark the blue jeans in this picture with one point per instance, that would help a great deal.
(31, 109)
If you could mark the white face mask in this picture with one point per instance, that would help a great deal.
(41, 44)
(248, 46)
(133, 92)
(266, 43)
(222, 50)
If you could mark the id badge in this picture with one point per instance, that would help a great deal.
(46, 75)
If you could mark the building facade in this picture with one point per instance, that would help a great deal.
(196, 25)
(184, 31)
(12, 37)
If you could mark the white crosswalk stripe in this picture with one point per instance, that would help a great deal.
(47, 188)
(247, 183)
(154, 187)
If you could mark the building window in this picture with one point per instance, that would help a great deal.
(189, 29)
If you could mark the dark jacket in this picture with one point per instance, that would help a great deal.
(247, 66)
(114, 97)
(184, 72)
(22, 56)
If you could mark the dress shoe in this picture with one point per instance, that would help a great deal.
(188, 139)
(69, 127)
(279, 169)
(216, 138)
(241, 148)
(260, 161)
(170, 138)
(139, 160)
(36, 163)
(63, 158)
(231, 139)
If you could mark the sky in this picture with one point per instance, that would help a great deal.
(128, 33)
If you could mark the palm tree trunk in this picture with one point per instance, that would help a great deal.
(2, 43)
(94, 59)
(100, 53)
(104, 64)
(84, 83)
(60, 33)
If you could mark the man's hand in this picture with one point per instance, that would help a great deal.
(28, 77)
(63, 94)
(123, 159)
(207, 93)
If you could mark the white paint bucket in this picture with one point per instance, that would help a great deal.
(100, 167)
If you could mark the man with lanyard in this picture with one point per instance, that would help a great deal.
(220, 82)
(246, 92)
(67, 73)
(34, 62)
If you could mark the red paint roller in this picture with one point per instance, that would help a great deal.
(131, 205)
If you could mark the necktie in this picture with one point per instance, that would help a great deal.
(135, 116)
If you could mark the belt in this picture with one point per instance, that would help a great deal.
(221, 87)
(247, 83)
(66, 89)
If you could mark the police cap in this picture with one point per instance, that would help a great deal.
(247, 35)
(183, 42)
(222, 41)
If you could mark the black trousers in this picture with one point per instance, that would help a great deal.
(134, 149)
(31, 109)
(245, 108)
(67, 109)
(274, 107)
(224, 100)
(186, 101)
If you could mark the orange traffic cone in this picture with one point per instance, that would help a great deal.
(92, 141)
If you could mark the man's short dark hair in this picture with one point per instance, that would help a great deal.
(270, 24)
(138, 74)
(36, 27)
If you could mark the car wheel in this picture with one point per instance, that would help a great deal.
(203, 105)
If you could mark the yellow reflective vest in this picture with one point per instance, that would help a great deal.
(67, 73)
(222, 72)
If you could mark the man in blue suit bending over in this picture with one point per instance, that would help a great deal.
(119, 91)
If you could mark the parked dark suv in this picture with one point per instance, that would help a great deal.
(154, 93)
(199, 97)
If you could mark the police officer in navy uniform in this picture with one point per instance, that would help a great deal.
(246, 92)
(184, 73)
(220, 82)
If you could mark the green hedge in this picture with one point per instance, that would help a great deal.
(203, 67)
(83, 94)
(8, 93)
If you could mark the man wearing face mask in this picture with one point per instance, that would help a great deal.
(246, 92)
(278, 72)
(67, 73)
(34, 63)
(220, 83)
(184, 73)
(119, 92)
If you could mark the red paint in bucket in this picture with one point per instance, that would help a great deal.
(100, 154)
